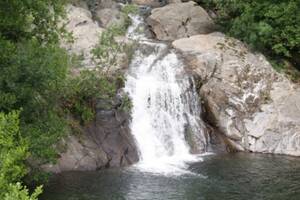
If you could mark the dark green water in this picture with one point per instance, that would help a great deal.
(223, 177)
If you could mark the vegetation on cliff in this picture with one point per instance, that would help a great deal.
(38, 92)
(33, 69)
(13, 153)
(270, 26)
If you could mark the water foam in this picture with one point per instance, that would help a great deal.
(163, 104)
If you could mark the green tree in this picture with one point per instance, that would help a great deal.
(19, 192)
(33, 70)
(24, 19)
(31, 78)
(106, 52)
(13, 153)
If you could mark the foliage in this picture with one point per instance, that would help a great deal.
(126, 104)
(13, 150)
(34, 80)
(13, 153)
(76, 60)
(105, 53)
(127, 10)
(82, 93)
(272, 26)
(31, 78)
(24, 19)
(33, 68)
(19, 192)
(283, 66)
(130, 9)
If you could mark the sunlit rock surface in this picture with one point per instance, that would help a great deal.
(85, 33)
(152, 3)
(106, 141)
(255, 107)
(178, 20)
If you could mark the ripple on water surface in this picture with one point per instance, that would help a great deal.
(220, 177)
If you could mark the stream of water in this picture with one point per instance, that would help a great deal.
(164, 104)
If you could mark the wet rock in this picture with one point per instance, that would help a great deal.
(179, 20)
(104, 143)
(197, 140)
(144, 10)
(256, 108)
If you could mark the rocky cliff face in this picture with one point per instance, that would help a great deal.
(178, 20)
(106, 142)
(254, 107)
(85, 32)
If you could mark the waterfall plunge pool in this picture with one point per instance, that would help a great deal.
(163, 104)
(218, 177)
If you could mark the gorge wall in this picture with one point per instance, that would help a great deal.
(247, 105)
(253, 106)
(106, 141)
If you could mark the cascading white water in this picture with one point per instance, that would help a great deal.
(164, 103)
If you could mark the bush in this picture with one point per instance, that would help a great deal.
(127, 10)
(82, 93)
(24, 19)
(13, 153)
(18, 192)
(126, 104)
(34, 80)
(31, 79)
(105, 53)
(33, 69)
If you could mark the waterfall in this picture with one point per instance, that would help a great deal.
(165, 103)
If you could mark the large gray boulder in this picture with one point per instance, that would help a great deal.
(178, 20)
(80, 3)
(257, 109)
(85, 32)
(107, 12)
(108, 17)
